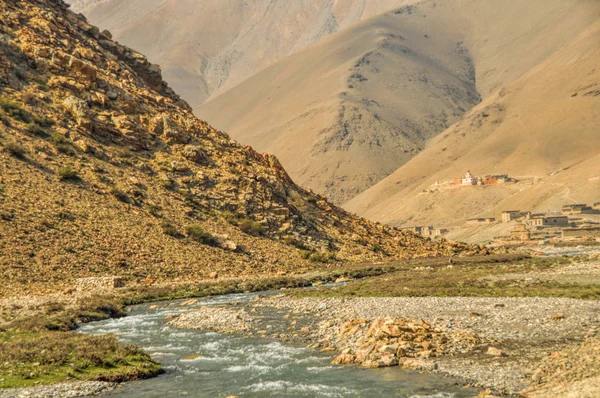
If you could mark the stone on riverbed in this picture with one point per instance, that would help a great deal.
(222, 320)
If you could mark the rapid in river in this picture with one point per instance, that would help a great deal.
(208, 364)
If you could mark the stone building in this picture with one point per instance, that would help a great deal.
(536, 223)
(520, 232)
(509, 215)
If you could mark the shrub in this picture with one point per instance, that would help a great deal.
(252, 227)
(62, 144)
(167, 183)
(305, 254)
(317, 257)
(43, 121)
(14, 110)
(230, 217)
(67, 173)
(120, 195)
(5, 121)
(35, 129)
(154, 210)
(169, 229)
(15, 150)
(312, 199)
(198, 234)
(290, 240)
(321, 257)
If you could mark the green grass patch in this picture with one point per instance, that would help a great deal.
(47, 357)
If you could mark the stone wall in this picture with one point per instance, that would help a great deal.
(581, 233)
(100, 283)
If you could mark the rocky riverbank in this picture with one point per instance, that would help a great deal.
(63, 390)
(498, 344)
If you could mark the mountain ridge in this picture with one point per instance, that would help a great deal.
(105, 171)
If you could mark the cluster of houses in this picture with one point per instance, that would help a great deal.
(557, 224)
(533, 226)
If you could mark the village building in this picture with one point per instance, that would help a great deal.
(509, 215)
(469, 179)
(520, 232)
(496, 179)
(577, 209)
(439, 231)
(536, 223)
(429, 231)
(596, 206)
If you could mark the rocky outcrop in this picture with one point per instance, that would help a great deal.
(386, 342)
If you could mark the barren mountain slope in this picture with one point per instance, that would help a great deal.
(354, 106)
(543, 129)
(208, 46)
(105, 171)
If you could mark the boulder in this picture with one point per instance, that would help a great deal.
(194, 153)
(179, 166)
(80, 111)
(83, 68)
(343, 359)
(229, 245)
(495, 352)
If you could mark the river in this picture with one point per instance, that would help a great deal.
(207, 364)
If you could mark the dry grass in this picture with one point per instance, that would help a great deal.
(466, 279)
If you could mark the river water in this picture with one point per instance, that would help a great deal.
(207, 364)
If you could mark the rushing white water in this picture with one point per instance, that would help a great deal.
(207, 364)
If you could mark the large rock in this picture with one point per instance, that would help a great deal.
(80, 111)
(194, 153)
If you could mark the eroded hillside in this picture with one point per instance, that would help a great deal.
(105, 171)
(349, 110)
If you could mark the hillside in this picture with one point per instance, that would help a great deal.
(362, 102)
(105, 171)
(356, 105)
(207, 47)
(541, 129)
